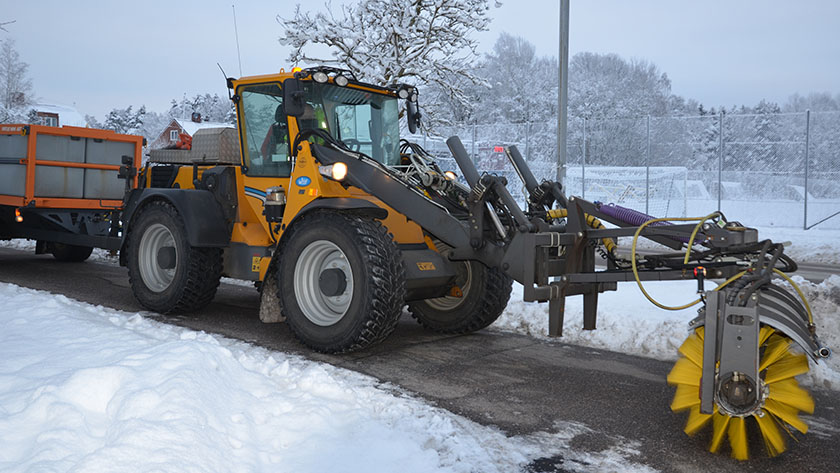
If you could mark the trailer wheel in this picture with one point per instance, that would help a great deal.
(484, 295)
(167, 275)
(342, 281)
(71, 253)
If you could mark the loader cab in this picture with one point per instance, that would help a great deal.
(365, 118)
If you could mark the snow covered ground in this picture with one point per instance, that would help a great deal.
(87, 388)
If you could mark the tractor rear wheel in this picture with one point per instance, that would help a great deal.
(71, 253)
(167, 275)
(342, 281)
(482, 293)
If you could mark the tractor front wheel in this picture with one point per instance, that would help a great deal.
(342, 281)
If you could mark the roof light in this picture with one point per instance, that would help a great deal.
(296, 69)
(336, 171)
(320, 77)
(403, 93)
(340, 80)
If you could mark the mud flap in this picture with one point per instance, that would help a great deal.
(271, 311)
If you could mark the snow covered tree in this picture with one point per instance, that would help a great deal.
(211, 107)
(15, 85)
(815, 102)
(764, 154)
(520, 84)
(608, 86)
(124, 120)
(421, 42)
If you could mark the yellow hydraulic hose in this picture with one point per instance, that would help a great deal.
(591, 220)
(700, 221)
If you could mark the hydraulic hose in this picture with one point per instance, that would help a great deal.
(688, 257)
(798, 291)
(697, 227)
(591, 220)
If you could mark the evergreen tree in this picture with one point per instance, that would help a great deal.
(124, 120)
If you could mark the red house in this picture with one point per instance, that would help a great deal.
(170, 135)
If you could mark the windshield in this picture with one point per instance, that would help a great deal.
(364, 121)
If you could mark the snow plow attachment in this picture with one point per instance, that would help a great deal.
(752, 338)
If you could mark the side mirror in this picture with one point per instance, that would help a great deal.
(413, 116)
(293, 97)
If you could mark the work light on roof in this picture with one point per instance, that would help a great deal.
(340, 80)
(320, 77)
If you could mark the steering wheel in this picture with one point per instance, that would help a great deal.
(354, 145)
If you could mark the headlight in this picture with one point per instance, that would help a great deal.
(336, 171)
(450, 175)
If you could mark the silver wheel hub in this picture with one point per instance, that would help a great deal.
(323, 282)
(158, 258)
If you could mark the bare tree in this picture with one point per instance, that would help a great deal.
(423, 42)
(15, 86)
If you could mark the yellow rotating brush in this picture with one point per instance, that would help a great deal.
(782, 398)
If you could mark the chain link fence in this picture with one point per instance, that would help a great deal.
(773, 169)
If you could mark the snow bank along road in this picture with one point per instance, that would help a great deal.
(522, 385)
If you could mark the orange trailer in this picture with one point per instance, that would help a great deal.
(65, 187)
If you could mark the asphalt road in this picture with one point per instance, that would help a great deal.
(516, 383)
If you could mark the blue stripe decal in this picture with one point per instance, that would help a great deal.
(255, 191)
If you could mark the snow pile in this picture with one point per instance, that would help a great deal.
(629, 323)
(86, 388)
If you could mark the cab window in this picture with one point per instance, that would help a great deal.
(265, 134)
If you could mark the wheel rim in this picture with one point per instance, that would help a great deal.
(156, 277)
(463, 279)
(320, 308)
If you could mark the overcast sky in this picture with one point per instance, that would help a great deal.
(102, 55)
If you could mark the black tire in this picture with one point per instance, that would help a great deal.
(373, 295)
(485, 294)
(71, 253)
(197, 271)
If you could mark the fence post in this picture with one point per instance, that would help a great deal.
(583, 164)
(647, 170)
(720, 158)
(807, 158)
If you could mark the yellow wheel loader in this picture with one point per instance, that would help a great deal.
(315, 197)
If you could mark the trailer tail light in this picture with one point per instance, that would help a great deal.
(18, 216)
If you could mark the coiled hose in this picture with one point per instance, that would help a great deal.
(700, 221)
